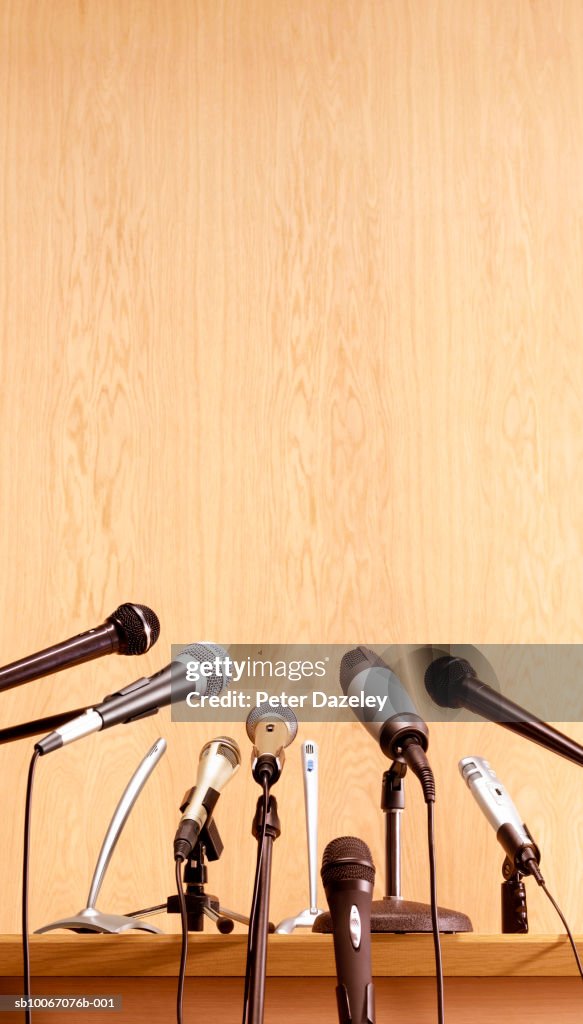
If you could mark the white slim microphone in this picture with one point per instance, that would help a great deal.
(496, 803)
(145, 696)
(219, 760)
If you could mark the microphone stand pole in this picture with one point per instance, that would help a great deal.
(258, 942)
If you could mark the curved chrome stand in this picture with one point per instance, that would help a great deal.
(90, 919)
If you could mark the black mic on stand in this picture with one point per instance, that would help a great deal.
(348, 875)
(453, 683)
(130, 629)
(270, 729)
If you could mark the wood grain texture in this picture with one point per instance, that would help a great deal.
(290, 349)
(394, 956)
(300, 1001)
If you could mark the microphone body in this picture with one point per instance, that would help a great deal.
(142, 698)
(453, 683)
(270, 730)
(219, 760)
(497, 805)
(397, 728)
(131, 629)
(348, 876)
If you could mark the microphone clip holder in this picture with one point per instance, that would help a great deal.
(513, 900)
(200, 904)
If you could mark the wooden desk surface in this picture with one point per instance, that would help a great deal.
(299, 955)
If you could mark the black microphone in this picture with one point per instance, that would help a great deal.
(145, 697)
(131, 629)
(453, 683)
(348, 876)
(393, 722)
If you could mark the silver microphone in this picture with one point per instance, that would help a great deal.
(497, 805)
(219, 760)
(270, 730)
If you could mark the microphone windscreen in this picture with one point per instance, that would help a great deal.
(274, 713)
(212, 655)
(347, 858)
(138, 627)
(443, 675)
(229, 749)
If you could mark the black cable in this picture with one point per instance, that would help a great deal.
(254, 900)
(566, 927)
(25, 874)
(434, 915)
(184, 944)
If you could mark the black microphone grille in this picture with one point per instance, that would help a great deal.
(138, 627)
(272, 713)
(443, 673)
(347, 858)
(357, 659)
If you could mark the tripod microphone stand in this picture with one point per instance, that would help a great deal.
(200, 904)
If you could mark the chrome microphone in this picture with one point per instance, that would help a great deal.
(496, 803)
(270, 730)
(219, 760)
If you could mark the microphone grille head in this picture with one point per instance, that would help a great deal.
(443, 673)
(272, 713)
(138, 627)
(207, 652)
(347, 858)
(355, 661)
(229, 749)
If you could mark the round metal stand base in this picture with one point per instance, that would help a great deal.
(396, 915)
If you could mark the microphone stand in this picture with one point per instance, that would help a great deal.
(513, 901)
(200, 904)
(258, 939)
(393, 913)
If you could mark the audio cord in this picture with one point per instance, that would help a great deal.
(25, 886)
(434, 914)
(565, 925)
(184, 943)
(256, 884)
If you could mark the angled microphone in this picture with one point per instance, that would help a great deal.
(144, 697)
(495, 802)
(397, 728)
(130, 629)
(348, 875)
(453, 683)
(219, 760)
(270, 730)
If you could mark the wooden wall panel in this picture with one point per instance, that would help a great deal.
(290, 319)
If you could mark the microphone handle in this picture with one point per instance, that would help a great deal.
(355, 989)
(480, 698)
(39, 725)
(78, 649)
